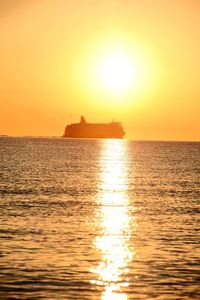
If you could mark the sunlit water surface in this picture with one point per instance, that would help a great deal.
(99, 219)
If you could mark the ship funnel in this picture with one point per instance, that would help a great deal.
(82, 120)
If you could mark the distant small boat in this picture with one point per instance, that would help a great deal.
(94, 130)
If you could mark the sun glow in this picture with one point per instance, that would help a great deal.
(114, 71)
(117, 72)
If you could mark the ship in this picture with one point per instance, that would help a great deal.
(83, 129)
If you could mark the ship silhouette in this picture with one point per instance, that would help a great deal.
(94, 130)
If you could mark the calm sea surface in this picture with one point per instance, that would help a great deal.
(99, 219)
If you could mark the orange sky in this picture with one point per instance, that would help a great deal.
(49, 47)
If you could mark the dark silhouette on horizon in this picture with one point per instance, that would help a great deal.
(94, 130)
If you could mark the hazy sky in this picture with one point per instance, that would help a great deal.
(50, 47)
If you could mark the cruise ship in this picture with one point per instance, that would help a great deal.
(83, 129)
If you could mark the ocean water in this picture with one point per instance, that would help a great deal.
(99, 219)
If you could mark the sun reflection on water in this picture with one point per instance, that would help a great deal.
(113, 217)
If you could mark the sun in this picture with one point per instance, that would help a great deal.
(117, 72)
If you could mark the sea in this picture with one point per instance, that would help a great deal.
(90, 219)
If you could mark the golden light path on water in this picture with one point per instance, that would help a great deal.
(114, 222)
